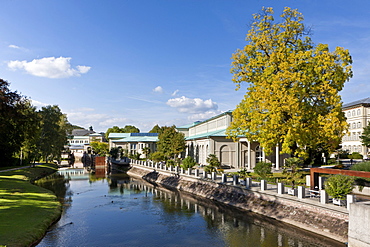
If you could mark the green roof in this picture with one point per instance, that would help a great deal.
(138, 139)
(208, 134)
(118, 135)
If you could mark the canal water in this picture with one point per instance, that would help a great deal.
(123, 211)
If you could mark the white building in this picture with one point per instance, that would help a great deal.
(134, 143)
(80, 140)
(358, 117)
(208, 137)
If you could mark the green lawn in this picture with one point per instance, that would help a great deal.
(26, 210)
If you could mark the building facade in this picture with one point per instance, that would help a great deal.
(134, 143)
(209, 137)
(358, 117)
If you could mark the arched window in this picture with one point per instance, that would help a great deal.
(259, 154)
(353, 113)
(349, 113)
(358, 112)
(353, 125)
(359, 125)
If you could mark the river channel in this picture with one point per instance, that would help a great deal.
(119, 210)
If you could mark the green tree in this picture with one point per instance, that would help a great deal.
(155, 129)
(263, 169)
(31, 129)
(126, 129)
(146, 152)
(213, 163)
(365, 137)
(171, 142)
(114, 129)
(338, 186)
(14, 112)
(130, 129)
(291, 169)
(293, 88)
(100, 148)
(54, 127)
(157, 156)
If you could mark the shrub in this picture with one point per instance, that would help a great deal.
(157, 156)
(355, 155)
(243, 173)
(362, 166)
(338, 186)
(188, 162)
(291, 169)
(170, 163)
(263, 169)
(212, 160)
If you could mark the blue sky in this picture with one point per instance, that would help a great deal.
(147, 62)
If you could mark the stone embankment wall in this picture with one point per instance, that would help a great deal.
(359, 226)
(310, 217)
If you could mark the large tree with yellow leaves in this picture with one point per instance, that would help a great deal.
(293, 87)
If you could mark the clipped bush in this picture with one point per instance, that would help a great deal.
(339, 186)
(355, 155)
(263, 169)
(170, 163)
(188, 162)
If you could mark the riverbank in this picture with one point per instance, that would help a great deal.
(311, 217)
(26, 210)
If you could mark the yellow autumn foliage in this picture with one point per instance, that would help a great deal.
(293, 86)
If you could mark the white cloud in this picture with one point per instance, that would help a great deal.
(49, 67)
(14, 46)
(38, 104)
(203, 116)
(196, 105)
(158, 89)
(175, 92)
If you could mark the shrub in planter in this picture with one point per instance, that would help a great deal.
(339, 186)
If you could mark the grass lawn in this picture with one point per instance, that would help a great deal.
(26, 210)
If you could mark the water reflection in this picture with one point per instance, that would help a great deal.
(119, 210)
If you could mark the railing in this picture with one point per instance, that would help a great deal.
(300, 192)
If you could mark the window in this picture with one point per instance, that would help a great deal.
(358, 125)
(353, 125)
(349, 113)
(353, 113)
(358, 112)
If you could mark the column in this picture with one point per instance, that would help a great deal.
(277, 163)
(189, 171)
(263, 185)
(280, 188)
(350, 199)
(224, 178)
(248, 183)
(214, 174)
(324, 198)
(301, 192)
(249, 156)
